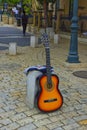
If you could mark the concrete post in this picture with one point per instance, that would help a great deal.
(33, 41)
(56, 38)
(0, 18)
(12, 48)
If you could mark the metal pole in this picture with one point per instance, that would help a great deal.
(73, 52)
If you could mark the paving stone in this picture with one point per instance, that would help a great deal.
(10, 107)
(1, 125)
(32, 112)
(40, 116)
(1, 110)
(58, 128)
(79, 118)
(13, 126)
(82, 112)
(7, 114)
(71, 115)
(21, 109)
(57, 118)
(27, 127)
(5, 121)
(54, 125)
(42, 128)
(71, 126)
(59, 112)
(40, 123)
(68, 121)
(18, 117)
(81, 128)
(5, 128)
(25, 121)
(20, 104)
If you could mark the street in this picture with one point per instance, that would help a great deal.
(12, 34)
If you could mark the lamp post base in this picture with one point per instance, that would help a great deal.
(73, 59)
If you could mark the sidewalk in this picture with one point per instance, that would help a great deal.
(15, 115)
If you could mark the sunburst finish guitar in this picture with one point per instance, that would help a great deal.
(50, 98)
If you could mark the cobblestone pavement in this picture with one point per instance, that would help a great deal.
(15, 114)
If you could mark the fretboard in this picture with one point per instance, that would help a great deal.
(48, 66)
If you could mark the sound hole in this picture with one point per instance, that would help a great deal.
(49, 87)
(50, 100)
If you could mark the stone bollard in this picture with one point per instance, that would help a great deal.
(56, 38)
(33, 41)
(12, 48)
(32, 88)
(49, 29)
(51, 35)
(0, 18)
(42, 30)
(14, 21)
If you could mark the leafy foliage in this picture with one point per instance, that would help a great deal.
(10, 1)
(27, 4)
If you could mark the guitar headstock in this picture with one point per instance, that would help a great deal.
(45, 39)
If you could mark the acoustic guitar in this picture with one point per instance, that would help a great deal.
(50, 98)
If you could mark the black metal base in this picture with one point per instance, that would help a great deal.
(73, 59)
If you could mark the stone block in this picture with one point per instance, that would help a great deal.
(33, 41)
(56, 38)
(49, 29)
(42, 30)
(12, 48)
(51, 35)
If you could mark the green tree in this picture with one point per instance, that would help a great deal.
(10, 1)
(27, 5)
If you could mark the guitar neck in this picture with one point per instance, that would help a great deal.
(48, 66)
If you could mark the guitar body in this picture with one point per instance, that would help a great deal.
(50, 98)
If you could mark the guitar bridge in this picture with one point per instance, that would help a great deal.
(50, 100)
